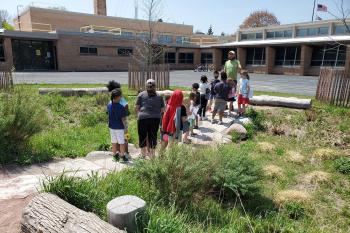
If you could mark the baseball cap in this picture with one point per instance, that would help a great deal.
(150, 81)
(233, 52)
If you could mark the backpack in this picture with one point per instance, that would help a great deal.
(212, 85)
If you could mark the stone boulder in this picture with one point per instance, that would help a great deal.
(237, 128)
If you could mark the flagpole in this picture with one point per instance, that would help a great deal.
(313, 11)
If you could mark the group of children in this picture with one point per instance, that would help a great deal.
(181, 115)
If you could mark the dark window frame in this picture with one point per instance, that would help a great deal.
(89, 50)
(124, 52)
(186, 58)
(288, 56)
(256, 56)
(169, 59)
(321, 56)
(2, 51)
(207, 58)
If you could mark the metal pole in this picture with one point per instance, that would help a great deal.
(18, 18)
(313, 11)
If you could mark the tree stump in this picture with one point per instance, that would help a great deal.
(47, 213)
(122, 212)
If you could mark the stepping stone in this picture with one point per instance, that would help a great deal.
(20, 187)
(122, 212)
(73, 165)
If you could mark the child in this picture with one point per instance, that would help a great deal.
(166, 101)
(193, 109)
(117, 125)
(212, 92)
(243, 96)
(232, 94)
(195, 87)
(189, 124)
(112, 85)
(204, 92)
(173, 119)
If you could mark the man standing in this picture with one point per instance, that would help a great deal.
(232, 66)
(222, 90)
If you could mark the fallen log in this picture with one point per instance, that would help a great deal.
(47, 213)
(73, 91)
(275, 101)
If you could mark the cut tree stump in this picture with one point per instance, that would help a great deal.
(47, 213)
(73, 91)
(275, 101)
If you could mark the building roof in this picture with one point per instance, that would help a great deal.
(29, 35)
(305, 40)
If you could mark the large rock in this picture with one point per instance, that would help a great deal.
(122, 212)
(237, 128)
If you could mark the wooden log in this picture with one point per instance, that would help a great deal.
(47, 213)
(276, 101)
(73, 91)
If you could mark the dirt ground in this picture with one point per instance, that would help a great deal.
(10, 214)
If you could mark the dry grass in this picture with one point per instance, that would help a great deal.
(266, 147)
(316, 177)
(291, 195)
(295, 157)
(325, 154)
(273, 171)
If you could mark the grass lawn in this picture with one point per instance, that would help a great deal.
(300, 160)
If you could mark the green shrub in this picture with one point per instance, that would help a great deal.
(180, 176)
(294, 210)
(342, 165)
(102, 99)
(236, 174)
(257, 117)
(57, 103)
(21, 117)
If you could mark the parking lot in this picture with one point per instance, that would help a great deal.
(303, 85)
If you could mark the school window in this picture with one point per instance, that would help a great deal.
(125, 52)
(333, 56)
(2, 53)
(127, 35)
(179, 40)
(305, 32)
(186, 58)
(255, 56)
(165, 39)
(287, 56)
(251, 36)
(206, 58)
(340, 30)
(143, 35)
(279, 34)
(170, 58)
(88, 51)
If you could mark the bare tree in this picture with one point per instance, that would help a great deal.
(147, 50)
(259, 19)
(342, 14)
(4, 16)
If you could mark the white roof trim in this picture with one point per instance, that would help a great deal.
(289, 41)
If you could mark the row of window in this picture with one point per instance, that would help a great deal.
(2, 53)
(163, 39)
(187, 58)
(290, 56)
(93, 51)
(300, 32)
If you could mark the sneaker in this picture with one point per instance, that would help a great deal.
(125, 158)
(204, 118)
(116, 157)
(196, 127)
(212, 121)
(220, 123)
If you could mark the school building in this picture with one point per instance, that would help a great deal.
(59, 40)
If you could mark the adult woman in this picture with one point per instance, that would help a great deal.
(149, 107)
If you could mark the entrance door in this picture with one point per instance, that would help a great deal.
(33, 55)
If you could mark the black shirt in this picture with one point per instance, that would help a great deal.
(198, 99)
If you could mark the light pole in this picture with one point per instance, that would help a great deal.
(18, 18)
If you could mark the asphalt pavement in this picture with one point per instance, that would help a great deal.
(302, 85)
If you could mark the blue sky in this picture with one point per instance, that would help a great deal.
(224, 15)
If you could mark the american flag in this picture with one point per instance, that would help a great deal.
(321, 7)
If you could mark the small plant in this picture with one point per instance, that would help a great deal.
(102, 99)
(294, 210)
(342, 165)
(280, 151)
(92, 119)
(257, 118)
